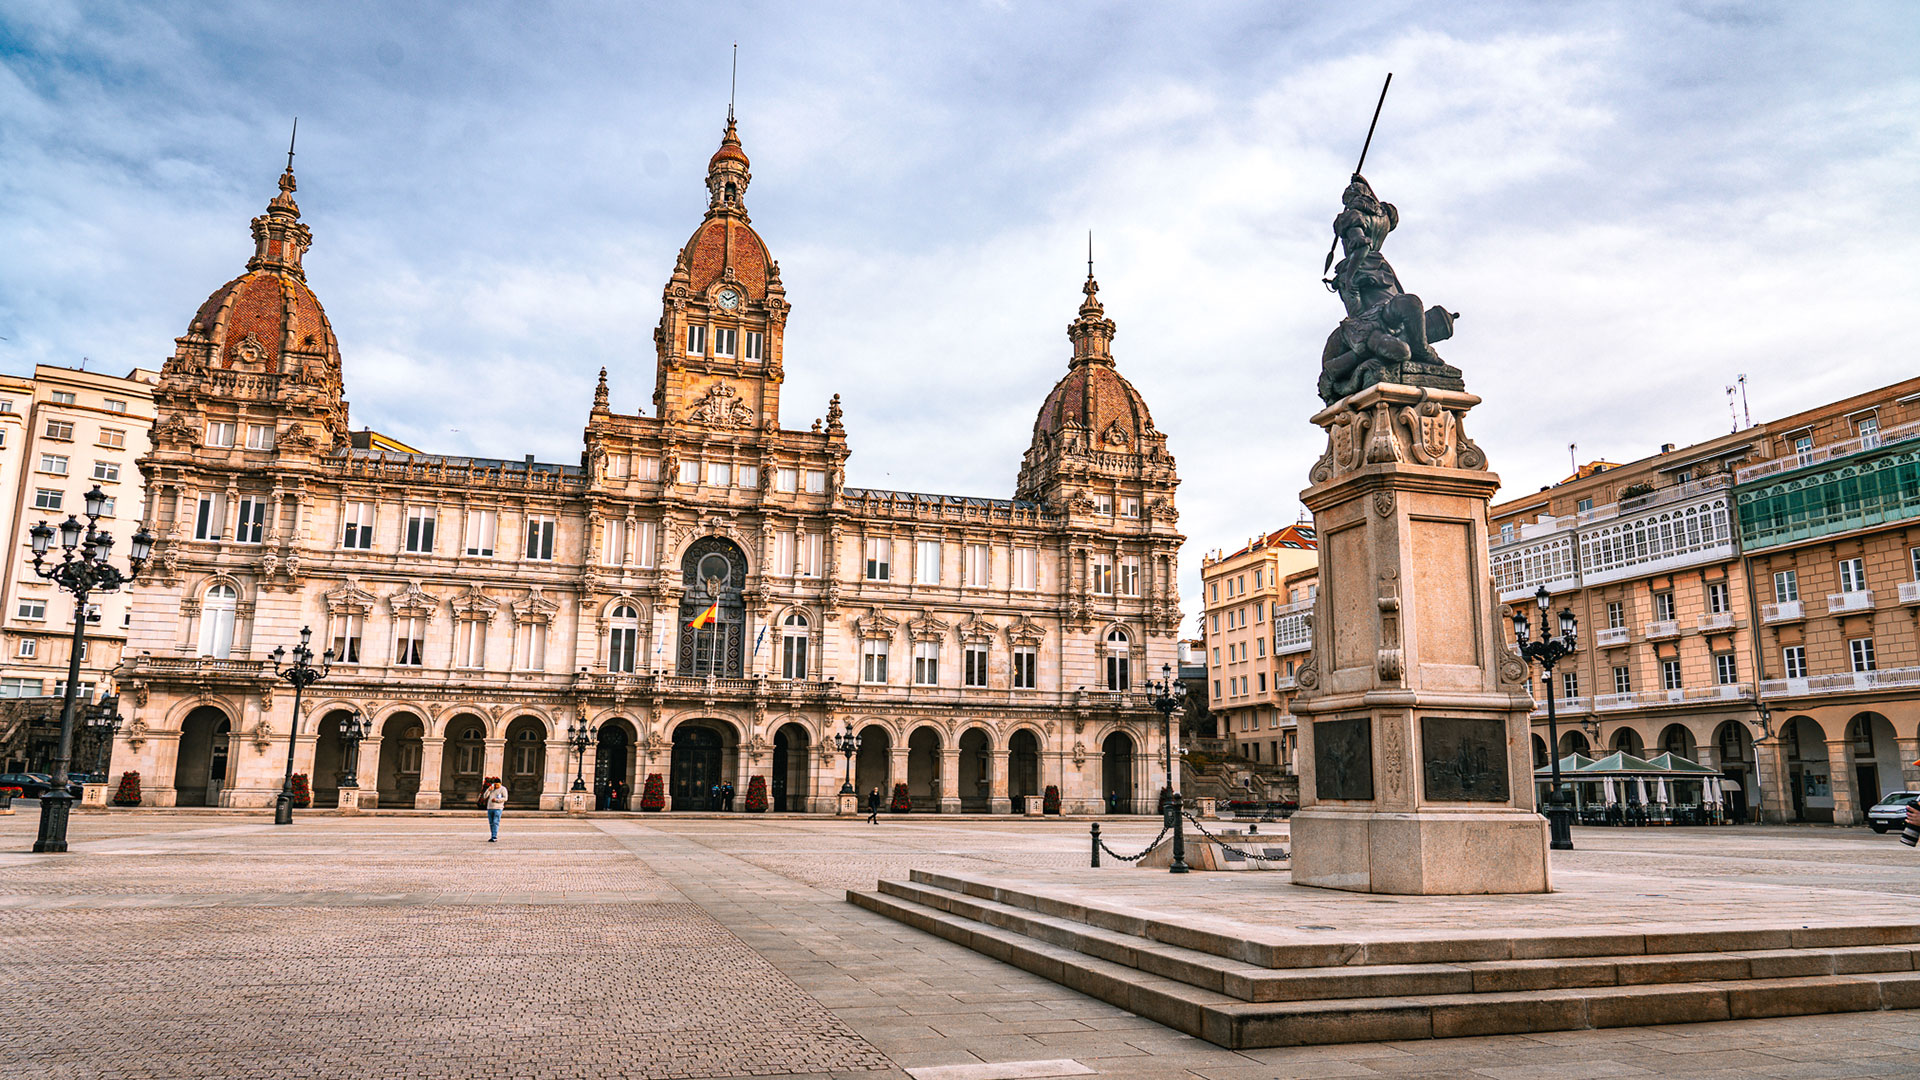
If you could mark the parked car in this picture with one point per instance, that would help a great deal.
(1889, 812)
(32, 785)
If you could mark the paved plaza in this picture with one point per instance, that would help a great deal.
(214, 945)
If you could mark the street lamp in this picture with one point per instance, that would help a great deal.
(579, 737)
(103, 720)
(81, 574)
(1168, 695)
(352, 730)
(849, 744)
(302, 674)
(1547, 652)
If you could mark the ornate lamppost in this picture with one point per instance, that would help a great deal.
(849, 744)
(354, 728)
(302, 674)
(103, 719)
(579, 737)
(1547, 652)
(81, 574)
(1169, 693)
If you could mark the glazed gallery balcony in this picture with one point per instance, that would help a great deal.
(1683, 525)
(1842, 682)
(1293, 628)
(1874, 482)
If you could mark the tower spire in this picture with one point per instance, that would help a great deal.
(290, 141)
(733, 82)
(1089, 254)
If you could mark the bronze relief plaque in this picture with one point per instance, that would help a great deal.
(1343, 758)
(1465, 759)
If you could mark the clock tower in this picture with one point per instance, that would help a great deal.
(723, 313)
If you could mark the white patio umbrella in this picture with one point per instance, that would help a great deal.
(1661, 787)
(1607, 782)
(1640, 790)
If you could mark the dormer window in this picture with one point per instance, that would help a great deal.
(696, 341)
(725, 341)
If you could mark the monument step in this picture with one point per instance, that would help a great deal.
(1253, 983)
(1239, 1024)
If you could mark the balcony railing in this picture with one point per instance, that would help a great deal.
(1844, 448)
(1293, 628)
(187, 666)
(1857, 600)
(1842, 682)
(1663, 628)
(1285, 682)
(1613, 636)
(1684, 695)
(1783, 611)
(1718, 620)
(1563, 706)
(1910, 592)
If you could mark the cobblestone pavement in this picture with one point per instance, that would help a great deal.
(173, 945)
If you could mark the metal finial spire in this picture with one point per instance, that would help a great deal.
(290, 141)
(1089, 254)
(733, 81)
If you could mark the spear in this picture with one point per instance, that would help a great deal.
(1364, 147)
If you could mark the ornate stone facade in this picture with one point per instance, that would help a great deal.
(704, 590)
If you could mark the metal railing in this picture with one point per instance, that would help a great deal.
(1841, 682)
(1857, 600)
(1818, 454)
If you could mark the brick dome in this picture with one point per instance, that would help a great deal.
(1093, 396)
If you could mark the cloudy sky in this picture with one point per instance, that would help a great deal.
(1630, 203)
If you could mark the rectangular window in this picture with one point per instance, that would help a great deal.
(976, 564)
(618, 466)
(1129, 506)
(410, 641)
(1622, 681)
(1860, 651)
(813, 548)
(1102, 572)
(259, 436)
(1259, 611)
(816, 482)
(1257, 576)
(725, 341)
(1793, 659)
(926, 663)
(32, 609)
(53, 463)
(873, 661)
(1215, 586)
(10, 688)
(689, 472)
(63, 397)
(106, 470)
(1216, 690)
(786, 480)
(1130, 577)
(421, 522)
(1726, 671)
(719, 474)
(974, 671)
(1670, 674)
(115, 405)
(531, 644)
(618, 544)
(540, 538)
(1913, 556)
(253, 520)
(646, 468)
(346, 639)
(1260, 647)
(1853, 575)
(481, 525)
(783, 553)
(645, 533)
(86, 688)
(1103, 505)
(113, 437)
(1803, 449)
(29, 648)
(1026, 667)
(220, 433)
(754, 346)
(1786, 586)
(1717, 598)
(1260, 682)
(793, 653)
(1216, 622)
(879, 558)
(6, 405)
(749, 476)
(926, 563)
(1868, 428)
(60, 429)
(47, 499)
(210, 516)
(1663, 606)
(470, 644)
(1026, 569)
(1584, 505)
(358, 529)
(696, 341)
(1506, 533)
(1570, 684)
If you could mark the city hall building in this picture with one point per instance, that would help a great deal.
(702, 589)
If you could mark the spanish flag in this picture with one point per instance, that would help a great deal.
(701, 620)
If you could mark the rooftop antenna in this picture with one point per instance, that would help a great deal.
(290, 139)
(1364, 147)
(1732, 413)
(1089, 254)
(733, 81)
(1742, 380)
(1573, 457)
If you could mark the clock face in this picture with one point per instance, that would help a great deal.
(729, 299)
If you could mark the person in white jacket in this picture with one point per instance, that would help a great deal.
(494, 797)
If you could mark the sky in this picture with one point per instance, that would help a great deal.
(1630, 204)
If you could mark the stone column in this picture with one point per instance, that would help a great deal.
(1847, 809)
(496, 760)
(1770, 776)
(950, 780)
(897, 770)
(558, 772)
(1909, 772)
(369, 772)
(1416, 761)
(998, 800)
(428, 797)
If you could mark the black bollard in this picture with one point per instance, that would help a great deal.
(1096, 845)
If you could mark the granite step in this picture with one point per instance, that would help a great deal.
(1243, 1005)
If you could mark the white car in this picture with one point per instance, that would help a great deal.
(1889, 812)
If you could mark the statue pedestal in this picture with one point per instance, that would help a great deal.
(349, 800)
(577, 803)
(1416, 763)
(847, 806)
(94, 796)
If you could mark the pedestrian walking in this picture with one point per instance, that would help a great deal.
(494, 797)
(726, 796)
(873, 807)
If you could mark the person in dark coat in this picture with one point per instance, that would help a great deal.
(873, 807)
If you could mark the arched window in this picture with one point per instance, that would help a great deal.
(623, 640)
(793, 647)
(216, 621)
(1119, 661)
(470, 752)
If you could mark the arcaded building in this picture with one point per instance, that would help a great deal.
(984, 649)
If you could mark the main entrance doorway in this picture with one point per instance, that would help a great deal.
(696, 767)
(611, 767)
(201, 769)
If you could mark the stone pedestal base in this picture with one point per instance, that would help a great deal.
(1205, 807)
(349, 800)
(1422, 853)
(1000, 806)
(949, 806)
(578, 803)
(93, 795)
(1032, 805)
(848, 805)
(426, 800)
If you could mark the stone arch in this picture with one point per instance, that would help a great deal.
(1026, 772)
(463, 758)
(1120, 657)
(730, 725)
(1810, 777)
(177, 713)
(873, 762)
(616, 763)
(403, 732)
(318, 711)
(925, 742)
(975, 772)
(329, 750)
(1120, 759)
(1877, 759)
(792, 765)
(608, 605)
(524, 764)
(1575, 742)
(1627, 739)
(713, 573)
(204, 760)
(1733, 751)
(1679, 740)
(443, 723)
(704, 754)
(1540, 758)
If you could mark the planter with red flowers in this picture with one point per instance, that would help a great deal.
(128, 793)
(757, 795)
(653, 798)
(902, 802)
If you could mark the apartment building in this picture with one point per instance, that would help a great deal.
(1748, 602)
(62, 431)
(1257, 628)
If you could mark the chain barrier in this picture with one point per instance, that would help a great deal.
(1130, 858)
(1224, 846)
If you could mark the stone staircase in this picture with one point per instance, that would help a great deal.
(1241, 993)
